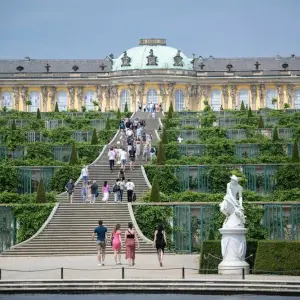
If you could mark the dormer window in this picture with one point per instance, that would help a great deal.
(75, 68)
(285, 65)
(229, 67)
(20, 68)
(202, 65)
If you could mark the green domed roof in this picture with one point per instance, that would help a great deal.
(162, 57)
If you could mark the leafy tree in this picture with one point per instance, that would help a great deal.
(164, 137)
(94, 140)
(242, 106)
(126, 108)
(56, 108)
(154, 194)
(9, 179)
(287, 177)
(38, 114)
(261, 122)
(73, 156)
(119, 114)
(107, 124)
(41, 194)
(250, 115)
(275, 134)
(13, 125)
(161, 157)
(171, 111)
(295, 154)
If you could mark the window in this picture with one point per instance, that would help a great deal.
(124, 98)
(243, 96)
(297, 99)
(62, 100)
(216, 101)
(152, 97)
(179, 100)
(7, 100)
(270, 94)
(34, 97)
(89, 97)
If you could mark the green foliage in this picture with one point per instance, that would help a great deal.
(41, 194)
(94, 140)
(16, 198)
(172, 151)
(125, 108)
(250, 114)
(242, 106)
(208, 117)
(295, 153)
(119, 116)
(38, 114)
(13, 125)
(286, 106)
(73, 156)
(9, 179)
(161, 157)
(154, 194)
(170, 111)
(107, 124)
(287, 177)
(56, 107)
(278, 257)
(164, 136)
(38, 150)
(261, 122)
(275, 136)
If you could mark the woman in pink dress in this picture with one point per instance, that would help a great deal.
(131, 239)
(116, 242)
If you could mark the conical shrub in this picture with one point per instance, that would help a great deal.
(242, 106)
(56, 108)
(73, 156)
(41, 194)
(295, 154)
(38, 114)
(164, 136)
(118, 114)
(161, 156)
(107, 124)
(261, 122)
(154, 193)
(126, 108)
(170, 111)
(275, 135)
(13, 125)
(94, 140)
(250, 115)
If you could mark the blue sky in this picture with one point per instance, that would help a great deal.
(96, 28)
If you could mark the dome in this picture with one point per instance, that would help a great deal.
(160, 57)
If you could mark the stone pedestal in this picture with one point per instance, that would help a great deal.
(233, 251)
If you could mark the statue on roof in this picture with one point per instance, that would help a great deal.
(152, 59)
(178, 60)
(126, 60)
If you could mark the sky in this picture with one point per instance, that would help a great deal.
(87, 29)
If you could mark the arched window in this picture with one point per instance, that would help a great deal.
(271, 94)
(7, 100)
(243, 96)
(62, 100)
(89, 97)
(297, 99)
(34, 97)
(179, 100)
(125, 98)
(152, 97)
(216, 100)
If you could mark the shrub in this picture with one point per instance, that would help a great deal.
(56, 107)
(126, 108)
(295, 154)
(38, 151)
(94, 140)
(40, 194)
(164, 137)
(287, 177)
(261, 122)
(278, 257)
(9, 179)
(154, 194)
(275, 137)
(161, 157)
(172, 151)
(242, 106)
(73, 156)
(107, 125)
(38, 114)
(13, 125)
(8, 197)
(119, 116)
(250, 115)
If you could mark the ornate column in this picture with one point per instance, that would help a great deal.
(279, 88)
(44, 92)
(171, 87)
(233, 90)
(290, 93)
(140, 92)
(114, 96)
(262, 89)
(188, 94)
(99, 96)
(107, 97)
(24, 96)
(225, 94)
(71, 90)
(206, 91)
(52, 95)
(79, 95)
(253, 90)
(16, 94)
(163, 95)
(132, 89)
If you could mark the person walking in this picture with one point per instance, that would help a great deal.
(84, 174)
(89, 192)
(138, 147)
(122, 187)
(160, 242)
(111, 157)
(116, 243)
(123, 156)
(105, 191)
(84, 192)
(94, 190)
(130, 188)
(131, 240)
(121, 174)
(101, 241)
(116, 190)
(70, 190)
(146, 152)
(132, 153)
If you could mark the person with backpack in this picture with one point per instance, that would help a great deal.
(130, 189)
(116, 190)
(94, 191)
(132, 158)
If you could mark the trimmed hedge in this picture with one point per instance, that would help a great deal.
(279, 257)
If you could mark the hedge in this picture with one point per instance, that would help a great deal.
(279, 257)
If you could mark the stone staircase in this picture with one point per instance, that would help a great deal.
(70, 229)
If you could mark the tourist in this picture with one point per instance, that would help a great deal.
(123, 156)
(121, 174)
(70, 190)
(105, 191)
(132, 153)
(116, 243)
(122, 125)
(130, 188)
(146, 152)
(131, 240)
(122, 187)
(116, 190)
(153, 114)
(179, 139)
(160, 107)
(138, 147)
(84, 192)
(221, 108)
(84, 174)
(152, 152)
(101, 241)
(94, 191)
(89, 192)
(111, 157)
(139, 132)
(160, 243)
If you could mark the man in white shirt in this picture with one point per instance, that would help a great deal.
(84, 174)
(111, 157)
(130, 188)
(123, 156)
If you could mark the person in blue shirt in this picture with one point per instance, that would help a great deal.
(101, 241)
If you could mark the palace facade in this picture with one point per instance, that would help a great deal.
(151, 72)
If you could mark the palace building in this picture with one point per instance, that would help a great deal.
(151, 72)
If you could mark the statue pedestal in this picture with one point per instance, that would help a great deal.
(233, 251)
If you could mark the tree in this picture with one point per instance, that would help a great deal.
(73, 156)
(250, 115)
(295, 154)
(164, 136)
(126, 108)
(119, 114)
(154, 193)
(94, 140)
(275, 134)
(107, 124)
(261, 122)
(161, 156)
(242, 106)
(170, 111)
(56, 107)
(38, 114)
(13, 125)
(41, 194)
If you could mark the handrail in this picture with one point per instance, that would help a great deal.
(284, 204)
(146, 177)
